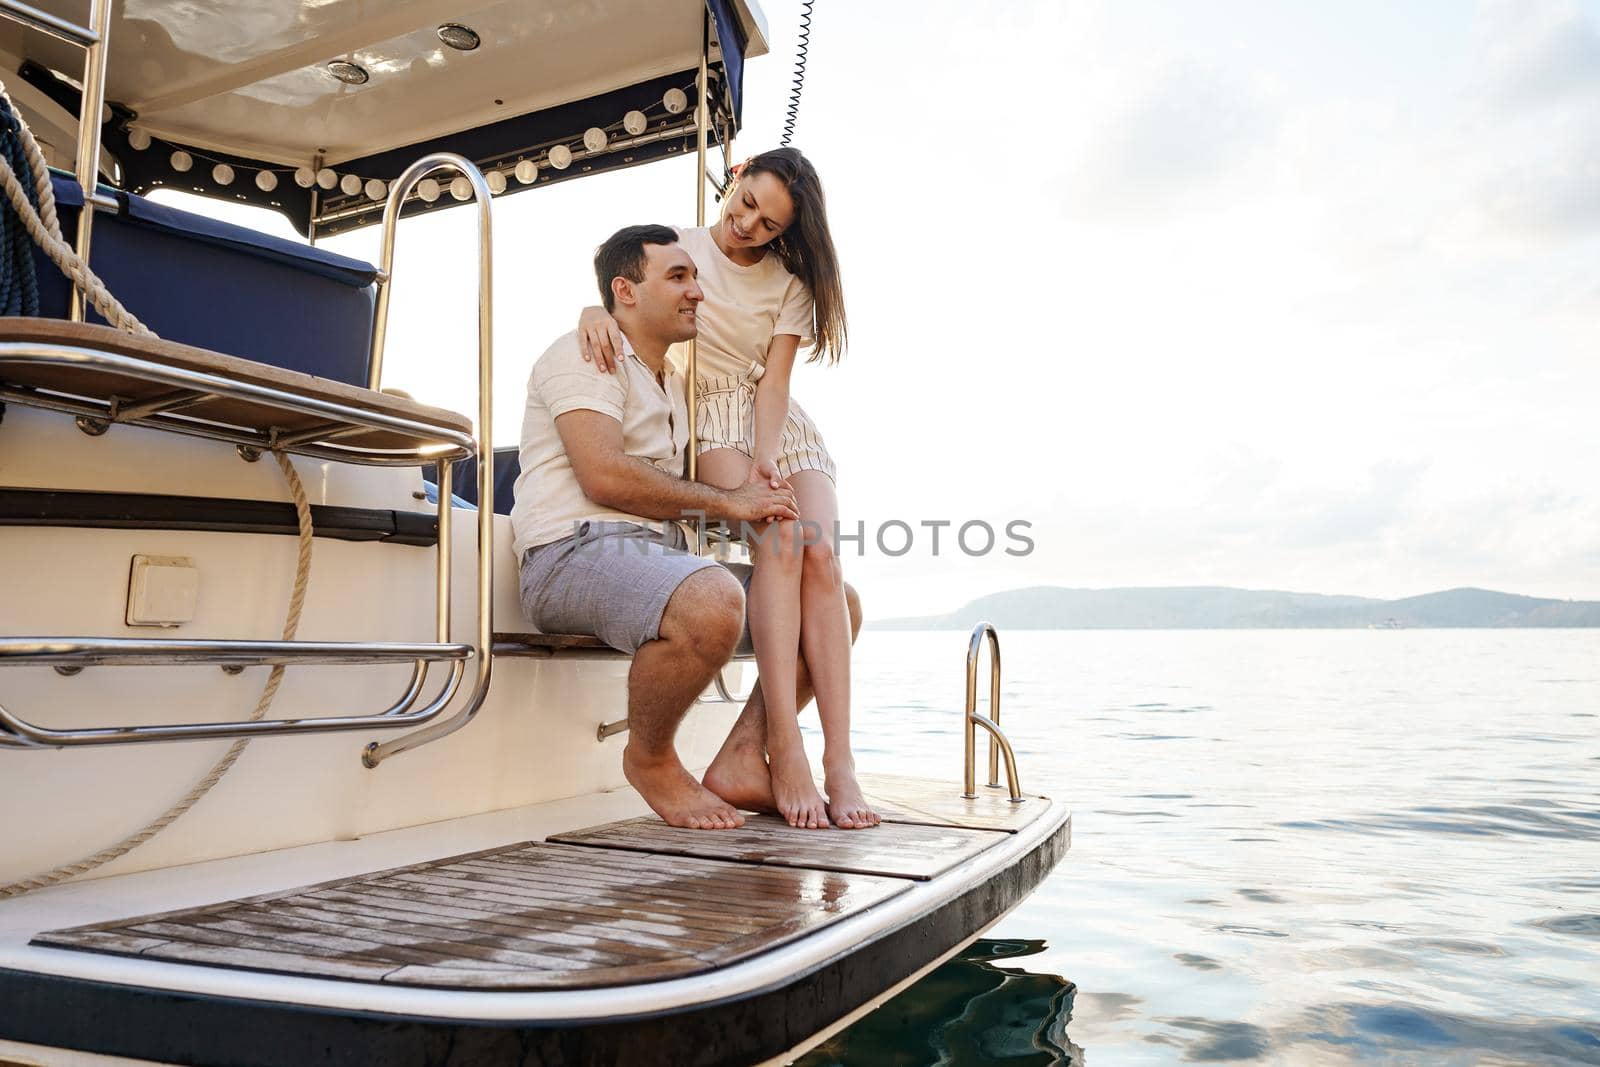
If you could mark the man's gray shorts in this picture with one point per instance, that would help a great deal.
(612, 580)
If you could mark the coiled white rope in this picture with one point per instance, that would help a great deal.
(46, 230)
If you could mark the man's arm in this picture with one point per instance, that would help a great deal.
(614, 479)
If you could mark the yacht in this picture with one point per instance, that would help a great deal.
(287, 776)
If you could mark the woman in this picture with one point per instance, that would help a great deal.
(771, 283)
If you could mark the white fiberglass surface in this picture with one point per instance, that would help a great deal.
(251, 77)
(198, 884)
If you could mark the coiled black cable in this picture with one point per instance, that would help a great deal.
(799, 74)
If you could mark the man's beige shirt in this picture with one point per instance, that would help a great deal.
(655, 427)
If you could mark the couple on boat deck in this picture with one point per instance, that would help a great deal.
(603, 491)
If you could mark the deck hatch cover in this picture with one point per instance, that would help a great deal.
(526, 917)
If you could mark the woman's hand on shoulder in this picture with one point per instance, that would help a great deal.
(600, 339)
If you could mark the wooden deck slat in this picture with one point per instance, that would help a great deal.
(605, 868)
(667, 893)
(427, 947)
(488, 925)
(613, 918)
(902, 850)
(565, 919)
(554, 940)
(686, 916)
(757, 882)
(644, 889)
(260, 960)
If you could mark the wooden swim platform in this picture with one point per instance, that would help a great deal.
(622, 903)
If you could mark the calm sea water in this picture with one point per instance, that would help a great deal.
(1289, 847)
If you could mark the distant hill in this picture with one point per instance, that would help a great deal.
(1221, 608)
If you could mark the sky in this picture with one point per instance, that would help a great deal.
(1258, 293)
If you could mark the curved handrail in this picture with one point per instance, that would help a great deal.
(375, 753)
(998, 743)
(27, 735)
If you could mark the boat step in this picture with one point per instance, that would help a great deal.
(528, 917)
(104, 376)
(617, 904)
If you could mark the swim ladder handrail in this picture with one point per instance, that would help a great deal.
(971, 720)
(376, 752)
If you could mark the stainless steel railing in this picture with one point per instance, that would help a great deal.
(998, 743)
(429, 444)
(375, 752)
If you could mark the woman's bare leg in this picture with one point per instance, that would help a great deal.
(774, 611)
(740, 774)
(825, 642)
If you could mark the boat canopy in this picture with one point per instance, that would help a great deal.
(311, 107)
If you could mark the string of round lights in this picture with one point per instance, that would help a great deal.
(525, 171)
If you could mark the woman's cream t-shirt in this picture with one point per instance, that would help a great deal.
(744, 308)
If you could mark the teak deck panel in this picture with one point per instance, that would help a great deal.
(527, 917)
(631, 901)
(898, 850)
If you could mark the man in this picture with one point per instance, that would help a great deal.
(602, 459)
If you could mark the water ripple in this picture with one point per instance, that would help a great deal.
(1575, 925)
(1222, 1041)
(1486, 820)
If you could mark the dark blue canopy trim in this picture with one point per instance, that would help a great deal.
(503, 144)
(732, 42)
(152, 168)
(496, 145)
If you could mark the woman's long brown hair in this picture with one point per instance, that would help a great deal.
(806, 247)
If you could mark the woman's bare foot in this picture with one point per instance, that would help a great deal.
(796, 794)
(846, 803)
(673, 794)
(740, 776)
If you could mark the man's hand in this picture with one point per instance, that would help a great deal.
(764, 497)
(600, 339)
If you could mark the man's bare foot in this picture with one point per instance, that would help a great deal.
(846, 803)
(740, 776)
(795, 792)
(673, 794)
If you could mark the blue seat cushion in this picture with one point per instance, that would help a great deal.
(222, 287)
(464, 478)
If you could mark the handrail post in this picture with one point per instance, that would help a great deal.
(376, 752)
(91, 101)
(691, 352)
(998, 743)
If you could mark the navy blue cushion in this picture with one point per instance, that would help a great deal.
(464, 478)
(223, 287)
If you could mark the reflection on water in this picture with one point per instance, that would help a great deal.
(967, 1013)
(1289, 847)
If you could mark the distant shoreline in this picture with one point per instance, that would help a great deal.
(1225, 608)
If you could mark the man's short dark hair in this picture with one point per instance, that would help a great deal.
(622, 256)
